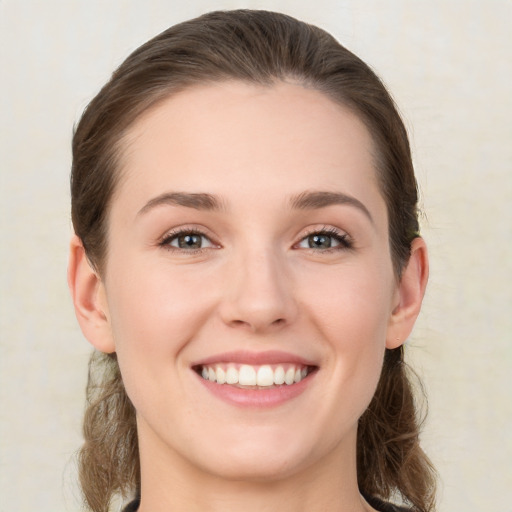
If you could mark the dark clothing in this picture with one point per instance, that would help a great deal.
(377, 504)
(132, 506)
(382, 506)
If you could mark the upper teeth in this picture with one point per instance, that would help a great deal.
(248, 375)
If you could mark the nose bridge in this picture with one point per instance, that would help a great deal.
(260, 294)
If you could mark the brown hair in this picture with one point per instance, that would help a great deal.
(257, 47)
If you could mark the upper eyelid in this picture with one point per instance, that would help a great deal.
(343, 237)
(174, 232)
(166, 241)
(328, 230)
(200, 230)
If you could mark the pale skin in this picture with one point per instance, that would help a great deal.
(254, 280)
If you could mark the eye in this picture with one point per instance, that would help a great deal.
(186, 240)
(324, 240)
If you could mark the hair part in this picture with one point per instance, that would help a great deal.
(257, 47)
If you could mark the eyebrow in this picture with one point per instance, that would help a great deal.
(312, 200)
(309, 200)
(199, 201)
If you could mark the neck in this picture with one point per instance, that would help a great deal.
(170, 483)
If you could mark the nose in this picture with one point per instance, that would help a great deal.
(259, 293)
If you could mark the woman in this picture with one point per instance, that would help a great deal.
(247, 264)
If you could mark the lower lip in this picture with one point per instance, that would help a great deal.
(271, 397)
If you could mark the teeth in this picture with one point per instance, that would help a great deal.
(265, 376)
(221, 375)
(261, 376)
(279, 375)
(247, 375)
(232, 375)
(289, 376)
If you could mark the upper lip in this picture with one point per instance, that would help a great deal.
(255, 358)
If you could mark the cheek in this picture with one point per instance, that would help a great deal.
(154, 313)
(351, 311)
(155, 304)
(153, 317)
(352, 303)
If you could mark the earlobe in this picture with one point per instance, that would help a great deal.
(88, 294)
(411, 290)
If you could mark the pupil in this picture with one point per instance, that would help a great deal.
(321, 241)
(189, 241)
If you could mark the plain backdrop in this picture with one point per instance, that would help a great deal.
(448, 65)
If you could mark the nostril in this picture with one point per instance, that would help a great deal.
(243, 323)
(239, 322)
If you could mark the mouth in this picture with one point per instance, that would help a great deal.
(256, 379)
(247, 376)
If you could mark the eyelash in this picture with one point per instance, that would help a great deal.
(343, 239)
(169, 237)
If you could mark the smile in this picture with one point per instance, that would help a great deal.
(256, 380)
(254, 376)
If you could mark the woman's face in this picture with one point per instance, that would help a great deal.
(248, 241)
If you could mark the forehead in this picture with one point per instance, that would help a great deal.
(252, 139)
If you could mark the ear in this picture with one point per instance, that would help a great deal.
(409, 296)
(89, 298)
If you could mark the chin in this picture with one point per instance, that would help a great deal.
(266, 456)
(264, 468)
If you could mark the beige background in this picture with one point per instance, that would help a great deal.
(448, 64)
